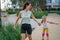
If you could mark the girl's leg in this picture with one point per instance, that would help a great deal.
(43, 33)
(23, 36)
(30, 37)
(47, 35)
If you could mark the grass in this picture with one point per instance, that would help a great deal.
(9, 33)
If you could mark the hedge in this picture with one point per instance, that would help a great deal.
(10, 11)
(39, 14)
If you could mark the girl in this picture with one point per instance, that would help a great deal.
(45, 27)
(26, 14)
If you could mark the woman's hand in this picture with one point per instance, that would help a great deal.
(17, 20)
(35, 19)
(39, 24)
(14, 26)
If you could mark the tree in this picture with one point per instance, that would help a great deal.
(36, 4)
(0, 17)
(14, 1)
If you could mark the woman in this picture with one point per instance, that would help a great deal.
(26, 14)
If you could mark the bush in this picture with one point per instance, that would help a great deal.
(9, 33)
(10, 11)
(39, 14)
(58, 13)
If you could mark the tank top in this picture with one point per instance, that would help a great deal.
(25, 15)
(45, 25)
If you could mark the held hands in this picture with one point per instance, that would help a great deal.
(39, 24)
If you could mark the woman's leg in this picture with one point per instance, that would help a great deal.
(30, 37)
(47, 34)
(23, 36)
(29, 31)
(23, 31)
(43, 33)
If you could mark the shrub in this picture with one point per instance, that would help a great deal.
(39, 14)
(10, 11)
(9, 33)
(58, 13)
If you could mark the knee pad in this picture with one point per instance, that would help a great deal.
(47, 34)
(42, 34)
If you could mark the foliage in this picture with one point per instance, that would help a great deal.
(58, 13)
(10, 11)
(14, 1)
(9, 33)
(39, 14)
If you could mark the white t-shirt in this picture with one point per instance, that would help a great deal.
(45, 25)
(25, 16)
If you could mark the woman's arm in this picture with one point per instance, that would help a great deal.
(35, 19)
(52, 22)
(17, 20)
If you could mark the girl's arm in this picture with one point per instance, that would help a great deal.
(35, 19)
(17, 20)
(52, 22)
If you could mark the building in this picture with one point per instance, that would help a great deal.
(52, 4)
(4, 4)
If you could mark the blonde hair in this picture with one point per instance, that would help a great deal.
(44, 16)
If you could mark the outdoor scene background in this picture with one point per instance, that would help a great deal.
(11, 8)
